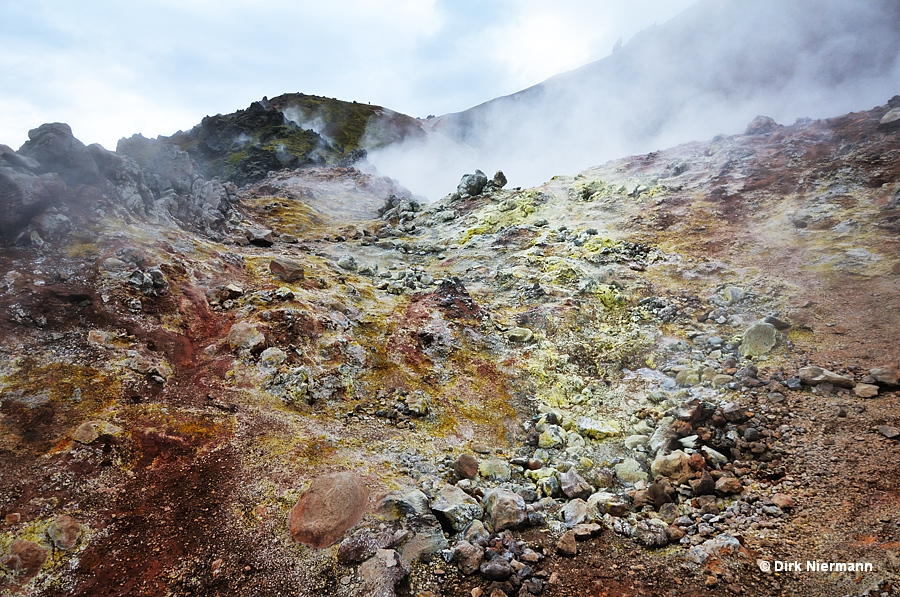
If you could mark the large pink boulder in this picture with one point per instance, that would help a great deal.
(331, 506)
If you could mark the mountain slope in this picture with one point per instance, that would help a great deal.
(709, 70)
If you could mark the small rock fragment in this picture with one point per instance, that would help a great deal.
(813, 375)
(567, 545)
(889, 432)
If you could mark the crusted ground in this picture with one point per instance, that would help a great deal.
(540, 330)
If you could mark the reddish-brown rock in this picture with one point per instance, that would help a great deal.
(331, 506)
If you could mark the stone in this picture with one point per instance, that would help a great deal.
(687, 378)
(888, 431)
(813, 375)
(573, 485)
(891, 117)
(288, 270)
(885, 375)
(576, 512)
(553, 436)
(272, 357)
(519, 335)
(567, 544)
(495, 469)
(382, 573)
(57, 150)
(348, 263)
(90, 431)
(761, 125)
(455, 508)
(468, 557)
(758, 340)
(331, 506)
(243, 335)
(705, 485)
(466, 466)
(729, 486)
(723, 545)
(596, 429)
(865, 390)
(779, 324)
(429, 539)
(668, 512)
(64, 532)
(24, 558)
(721, 380)
(260, 237)
(504, 510)
(362, 545)
(633, 442)
(651, 533)
(472, 184)
(497, 569)
(783, 501)
(475, 532)
(735, 413)
(630, 471)
(585, 531)
(672, 465)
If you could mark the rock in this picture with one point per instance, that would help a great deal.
(468, 557)
(520, 335)
(651, 533)
(576, 512)
(272, 357)
(466, 466)
(382, 573)
(427, 540)
(784, 502)
(347, 262)
(495, 469)
(331, 506)
(553, 436)
(758, 340)
(687, 378)
(668, 512)
(574, 485)
(455, 508)
(761, 125)
(865, 390)
(891, 118)
(24, 558)
(705, 485)
(57, 150)
(472, 184)
(595, 429)
(475, 531)
(889, 432)
(779, 324)
(260, 237)
(362, 545)
(585, 531)
(672, 465)
(630, 471)
(287, 269)
(497, 569)
(243, 335)
(735, 413)
(567, 545)
(729, 486)
(90, 431)
(721, 380)
(633, 442)
(64, 532)
(885, 375)
(504, 510)
(722, 545)
(812, 376)
(607, 503)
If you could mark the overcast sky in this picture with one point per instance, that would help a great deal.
(113, 68)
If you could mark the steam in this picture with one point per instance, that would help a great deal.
(312, 122)
(708, 71)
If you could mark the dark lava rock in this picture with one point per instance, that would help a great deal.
(57, 150)
(472, 184)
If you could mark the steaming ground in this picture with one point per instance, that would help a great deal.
(708, 71)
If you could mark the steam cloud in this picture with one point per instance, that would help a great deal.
(710, 70)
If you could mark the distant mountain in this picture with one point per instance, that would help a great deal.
(710, 70)
(288, 131)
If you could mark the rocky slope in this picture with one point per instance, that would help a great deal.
(652, 377)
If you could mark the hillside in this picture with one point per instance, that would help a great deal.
(650, 377)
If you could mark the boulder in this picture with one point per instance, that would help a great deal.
(455, 508)
(57, 150)
(64, 532)
(287, 269)
(885, 375)
(472, 184)
(24, 196)
(813, 375)
(761, 125)
(758, 340)
(245, 335)
(382, 573)
(891, 118)
(504, 510)
(331, 506)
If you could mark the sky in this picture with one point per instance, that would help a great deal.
(111, 68)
